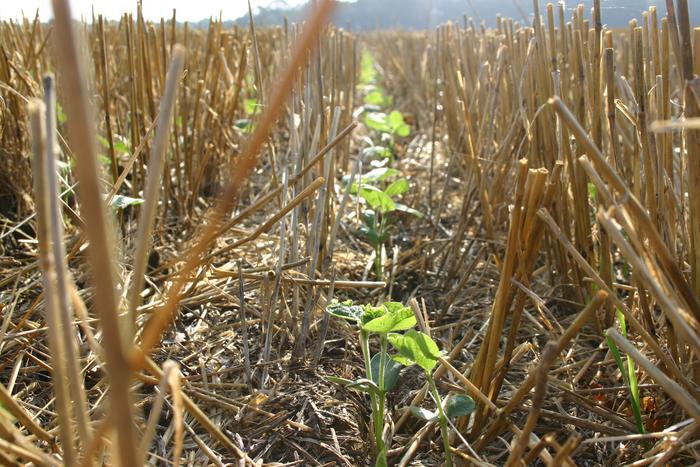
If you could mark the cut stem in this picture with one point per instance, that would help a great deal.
(379, 418)
(378, 266)
(377, 422)
(444, 431)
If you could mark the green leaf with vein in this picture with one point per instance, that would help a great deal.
(416, 347)
(459, 405)
(396, 318)
(392, 370)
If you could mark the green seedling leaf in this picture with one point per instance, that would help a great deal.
(394, 307)
(402, 360)
(417, 348)
(60, 114)
(364, 385)
(397, 124)
(251, 106)
(121, 145)
(380, 174)
(377, 199)
(103, 141)
(369, 217)
(104, 160)
(374, 237)
(629, 374)
(423, 414)
(395, 118)
(592, 190)
(338, 380)
(380, 162)
(372, 313)
(377, 151)
(459, 405)
(400, 310)
(377, 121)
(403, 130)
(62, 166)
(244, 124)
(396, 318)
(392, 369)
(397, 187)
(375, 97)
(121, 201)
(369, 231)
(623, 322)
(408, 210)
(617, 357)
(368, 73)
(381, 459)
(378, 98)
(345, 310)
(635, 397)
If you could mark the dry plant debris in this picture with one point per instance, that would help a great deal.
(180, 206)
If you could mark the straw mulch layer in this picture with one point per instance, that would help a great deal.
(554, 256)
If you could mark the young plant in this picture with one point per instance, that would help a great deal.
(252, 109)
(629, 375)
(381, 153)
(389, 126)
(368, 70)
(415, 347)
(376, 99)
(378, 220)
(121, 201)
(392, 124)
(381, 371)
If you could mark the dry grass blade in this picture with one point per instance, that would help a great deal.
(518, 181)
(549, 354)
(241, 171)
(63, 280)
(35, 456)
(93, 211)
(197, 413)
(584, 317)
(153, 183)
(57, 344)
(150, 430)
(12, 406)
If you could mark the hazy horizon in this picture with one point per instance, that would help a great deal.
(363, 14)
(187, 10)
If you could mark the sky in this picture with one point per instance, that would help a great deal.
(187, 10)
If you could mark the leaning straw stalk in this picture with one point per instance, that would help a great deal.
(97, 230)
(504, 182)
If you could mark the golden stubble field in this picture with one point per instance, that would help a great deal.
(305, 245)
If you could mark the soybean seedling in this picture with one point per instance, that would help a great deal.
(418, 348)
(392, 124)
(376, 99)
(378, 220)
(389, 126)
(374, 103)
(368, 70)
(381, 371)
